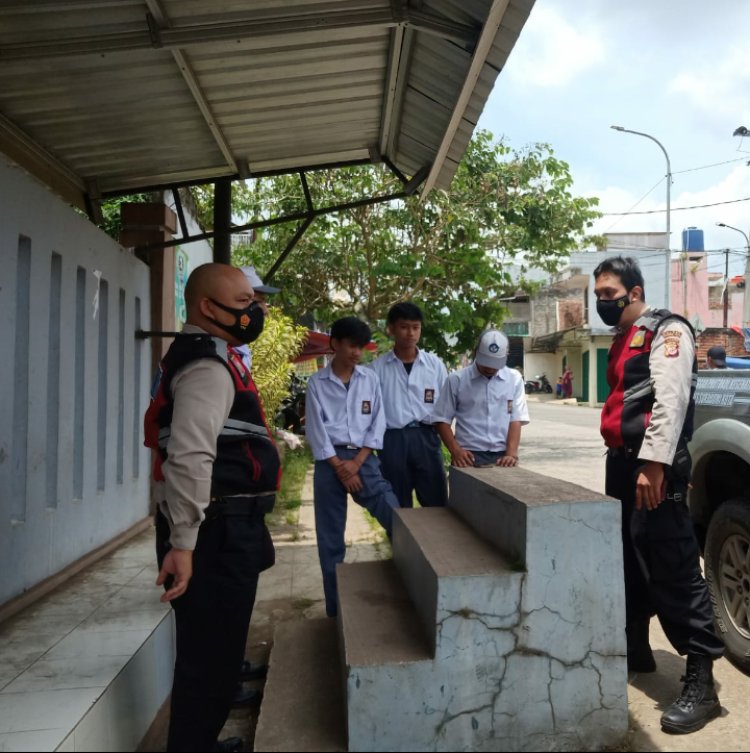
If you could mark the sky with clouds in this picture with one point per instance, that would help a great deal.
(678, 70)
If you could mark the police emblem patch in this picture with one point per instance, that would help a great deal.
(638, 339)
(671, 347)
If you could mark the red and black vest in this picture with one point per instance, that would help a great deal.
(627, 411)
(247, 461)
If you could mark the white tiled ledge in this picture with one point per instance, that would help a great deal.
(88, 666)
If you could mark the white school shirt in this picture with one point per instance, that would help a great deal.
(483, 408)
(411, 396)
(335, 415)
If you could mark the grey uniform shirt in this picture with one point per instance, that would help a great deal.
(203, 394)
(671, 364)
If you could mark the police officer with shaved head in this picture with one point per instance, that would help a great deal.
(215, 475)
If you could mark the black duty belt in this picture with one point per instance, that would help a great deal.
(418, 425)
(622, 452)
(240, 506)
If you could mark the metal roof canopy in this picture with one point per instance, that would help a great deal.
(107, 97)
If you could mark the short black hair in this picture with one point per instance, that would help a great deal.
(624, 267)
(351, 328)
(405, 310)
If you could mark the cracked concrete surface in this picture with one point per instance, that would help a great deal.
(553, 671)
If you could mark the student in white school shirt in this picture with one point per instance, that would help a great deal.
(488, 402)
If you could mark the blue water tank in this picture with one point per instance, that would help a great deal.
(692, 239)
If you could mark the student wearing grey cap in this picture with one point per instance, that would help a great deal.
(488, 401)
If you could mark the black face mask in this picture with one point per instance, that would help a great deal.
(248, 324)
(611, 311)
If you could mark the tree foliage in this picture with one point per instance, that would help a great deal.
(451, 253)
(273, 353)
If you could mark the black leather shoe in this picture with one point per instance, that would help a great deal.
(698, 703)
(230, 745)
(250, 671)
(640, 656)
(244, 697)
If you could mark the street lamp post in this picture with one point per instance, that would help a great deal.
(746, 296)
(668, 276)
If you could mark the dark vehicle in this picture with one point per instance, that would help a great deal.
(719, 501)
(539, 383)
(291, 414)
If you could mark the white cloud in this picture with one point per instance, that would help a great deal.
(719, 89)
(723, 206)
(554, 52)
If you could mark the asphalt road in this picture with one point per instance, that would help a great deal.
(563, 441)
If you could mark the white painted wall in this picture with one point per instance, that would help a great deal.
(74, 384)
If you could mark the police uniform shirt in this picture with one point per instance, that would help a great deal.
(671, 365)
(483, 408)
(203, 394)
(335, 415)
(409, 397)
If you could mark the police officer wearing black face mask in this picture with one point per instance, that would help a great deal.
(646, 424)
(216, 471)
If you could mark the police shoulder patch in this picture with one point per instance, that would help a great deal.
(671, 347)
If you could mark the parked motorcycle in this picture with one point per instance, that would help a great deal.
(291, 415)
(539, 383)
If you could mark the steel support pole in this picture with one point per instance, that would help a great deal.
(223, 221)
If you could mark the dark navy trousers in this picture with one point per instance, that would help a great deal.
(662, 561)
(212, 619)
(330, 497)
(412, 461)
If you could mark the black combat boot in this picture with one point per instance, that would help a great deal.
(640, 657)
(698, 703)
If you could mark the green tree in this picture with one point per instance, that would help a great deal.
(273, 353)
(450, 253)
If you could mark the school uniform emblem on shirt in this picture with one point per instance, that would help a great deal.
(429, 395)
(366, 407)
(510, 406)
(638, 339)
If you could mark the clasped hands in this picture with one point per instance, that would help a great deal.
(347, 472)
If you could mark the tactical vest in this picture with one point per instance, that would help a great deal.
(627, 411)
(247, 461)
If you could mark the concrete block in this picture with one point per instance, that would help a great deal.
(303, 702)
(454, 578)
(527, 597)
(378, 624)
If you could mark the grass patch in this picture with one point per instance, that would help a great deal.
(380, 538)
(294, 467)
(293, 471)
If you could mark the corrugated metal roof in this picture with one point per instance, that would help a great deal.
(107, 96)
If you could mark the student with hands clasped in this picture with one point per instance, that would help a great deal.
(345, 423)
